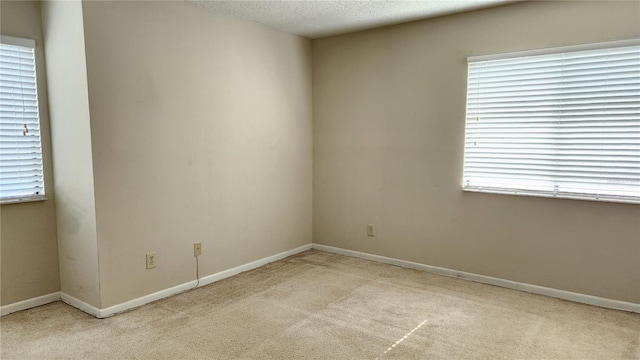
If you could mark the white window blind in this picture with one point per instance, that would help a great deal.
(562, 123)
(21, 175)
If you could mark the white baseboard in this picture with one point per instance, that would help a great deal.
(143, 300)
(29, 303)
(509, 284)
(115, 309)
(252, 265)
(81, 305)
(103, 313)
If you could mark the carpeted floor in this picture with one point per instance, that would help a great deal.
(316, 305)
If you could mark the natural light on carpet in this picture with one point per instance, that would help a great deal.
(401, 339)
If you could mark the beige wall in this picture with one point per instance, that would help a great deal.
(389, 110)
(72, 158)
(201, 131)
(28, 248)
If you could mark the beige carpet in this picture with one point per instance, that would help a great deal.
(317, 305)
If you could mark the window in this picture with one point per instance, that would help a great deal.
(559, 123)
(21, 177)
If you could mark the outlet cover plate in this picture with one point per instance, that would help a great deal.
(370, 229)
(151, 260)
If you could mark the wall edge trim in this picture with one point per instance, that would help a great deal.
(79, 304)
(252, 265)
(206, 280)
(128, 305)
(29, 303)
(509, 284)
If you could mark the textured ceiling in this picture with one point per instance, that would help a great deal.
(314, 19)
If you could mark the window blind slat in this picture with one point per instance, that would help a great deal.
(19, 177)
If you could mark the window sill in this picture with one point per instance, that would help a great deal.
(571, 196)
(23, 199)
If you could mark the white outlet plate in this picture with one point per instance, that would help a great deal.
(197, 249)
(370, 229)
(151, 260)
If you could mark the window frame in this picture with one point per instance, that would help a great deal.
(29, 43)
(540, 193)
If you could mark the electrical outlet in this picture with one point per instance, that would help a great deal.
(370, 230)
(151, 260)
(197, 249)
